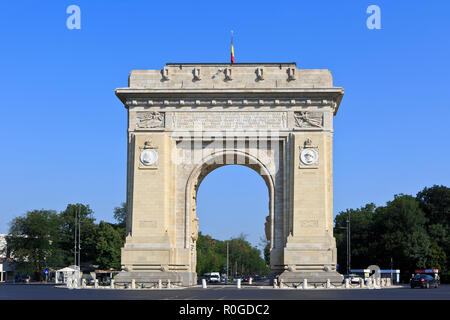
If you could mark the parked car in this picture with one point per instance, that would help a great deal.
(354, 278)
(424, 281)
(214, 277)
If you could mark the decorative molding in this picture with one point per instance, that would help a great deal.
(148, 144)
(308, 155)
(148, 155)
(291, 74)
(227, 73)
(308, 143)
(165, 74)
(287, 102)
(196, 73)
(259, 74)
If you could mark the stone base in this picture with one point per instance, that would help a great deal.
(184, 279)
(290, 277)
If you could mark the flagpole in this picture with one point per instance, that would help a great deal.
(232, 49)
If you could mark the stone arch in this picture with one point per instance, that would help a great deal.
(207, 165)
(287, 117)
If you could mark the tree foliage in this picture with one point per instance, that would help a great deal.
(243, 258)
(109, 241)
(66, 230)
(32, 241)
(120, 214)
(409, 232)
(45, 239)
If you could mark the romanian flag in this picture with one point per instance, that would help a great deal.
(232, 48)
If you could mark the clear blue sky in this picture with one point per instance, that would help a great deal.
(63, 131)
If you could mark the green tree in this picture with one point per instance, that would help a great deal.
(435, 203)
(109, 241)
(32, 241)
(362, 237)
(243, 258)
(120, 214)
(210, 254)
(66, 231)
(401, 229)
(265, 244)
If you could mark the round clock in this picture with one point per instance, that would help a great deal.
(309, 156)
(149, 157)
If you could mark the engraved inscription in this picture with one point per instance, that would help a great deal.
(310, 223)
(229, 120)
(148, 224)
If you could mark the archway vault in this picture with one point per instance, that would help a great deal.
(271, 117)
(207, 165)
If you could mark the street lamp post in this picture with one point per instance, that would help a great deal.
(227, 262)
(79, 237)
(349, 254)
(349, 250)
(75, 237)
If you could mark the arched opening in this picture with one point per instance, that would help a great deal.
(206, 166)
(232, 201)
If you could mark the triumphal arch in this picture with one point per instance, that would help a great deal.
(188, 119)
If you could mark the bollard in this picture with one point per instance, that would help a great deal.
(133, 284)
(168, 283)
(238, 283)
(159, 284)
(204, 286)
(275, 283)
(83, 283)
(347, 283)
(388, 282)
(328, 285)
(96, 283)
(361, 282)
(112, 284)
(305, 284)
(250, 280)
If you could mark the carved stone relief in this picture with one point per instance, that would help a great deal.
(308, 119)
(151, 119)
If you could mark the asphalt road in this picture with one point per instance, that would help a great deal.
(219, 292)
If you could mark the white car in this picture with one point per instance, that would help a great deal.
(214, 277)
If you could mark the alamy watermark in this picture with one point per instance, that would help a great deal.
(224, 147)
(374, 20)
(74, 20)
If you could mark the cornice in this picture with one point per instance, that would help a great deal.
(231, 97)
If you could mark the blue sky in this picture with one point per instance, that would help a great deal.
(63, 131)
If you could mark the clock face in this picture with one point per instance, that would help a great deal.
(149, 157)
(309, 156)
